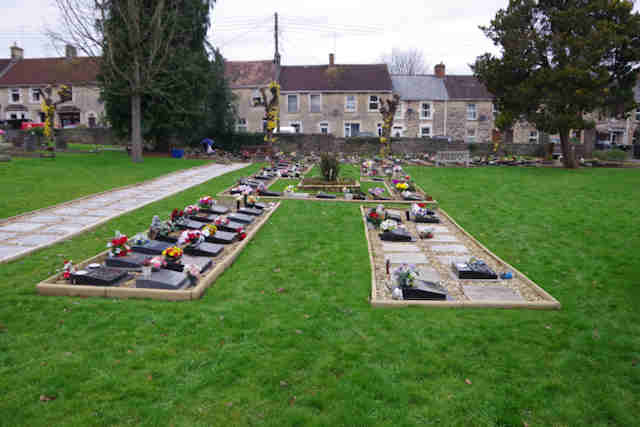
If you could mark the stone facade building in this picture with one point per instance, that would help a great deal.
(22, 79)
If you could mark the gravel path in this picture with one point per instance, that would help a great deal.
(29, 232)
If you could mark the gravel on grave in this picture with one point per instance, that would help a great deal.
(453, 285)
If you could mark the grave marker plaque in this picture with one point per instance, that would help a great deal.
(223, 237)
(241, 218)
(250, 211)
(152, 247)
(164, 279)
(204, 249)
(423, 290)
(102, 276)
(396, 236)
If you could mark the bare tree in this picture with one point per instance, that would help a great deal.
(408, 62)
(130, 41)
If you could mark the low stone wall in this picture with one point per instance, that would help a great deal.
(94, 136)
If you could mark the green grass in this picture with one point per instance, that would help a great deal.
(79, 146)
(34, 183)
(365, 186)
(283, 183)
(317, 353)
(346, 171)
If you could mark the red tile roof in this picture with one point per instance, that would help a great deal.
(361, 77)
(38, 71)
(3, 64)
(249, 73)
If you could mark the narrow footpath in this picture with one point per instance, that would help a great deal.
(31, 231)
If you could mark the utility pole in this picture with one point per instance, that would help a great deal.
(276, 57)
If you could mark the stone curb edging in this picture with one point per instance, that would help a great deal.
(51, 289)
(553, 304)
(90, 227)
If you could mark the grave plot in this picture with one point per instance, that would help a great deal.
(436, 263)
(150, 266)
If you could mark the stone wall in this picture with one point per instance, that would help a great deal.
(99, 136)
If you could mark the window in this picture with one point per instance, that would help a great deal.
(350, 103)
(351, 129)
(256, 99)
(315, 103)
(495, 111)
(471, 135)
(35, 95)
(92, 120)
(379, 128)
(324, 128)
(42, 117)
(297, 125)
(14, 95)
(400, 111)
(425, 131)
(241, 126)
(374, 103)
(638, 114)
(533, 137)
(471, 112)
(292, 103)
(425, 111)
(397, 131)
(13, 116)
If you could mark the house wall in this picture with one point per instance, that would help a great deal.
(459, 125)
(254, 115)
(332, 111)
(85, 98)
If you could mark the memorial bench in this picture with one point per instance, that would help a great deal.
(455, 157)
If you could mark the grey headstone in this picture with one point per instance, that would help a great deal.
(203, 263)
(223, 237)
(491, 293)
(133, 261)
(205, 249)
(164, 279)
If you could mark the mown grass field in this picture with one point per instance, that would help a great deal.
(33, 183)
(287, 337)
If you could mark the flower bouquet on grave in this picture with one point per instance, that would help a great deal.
(242, 234)
(209, 230)
(252, 200)
(402, 186)
(172, 254)
(206, 202)
(221, 221)
(191, 210)
(177, 218)
(388, 225)
(139, 239)
(118, 245)
(376, 192)
(191, 238)
(290, 189)
(156, 263)
(193, 272)
(426, 233)
(374, 218)
(68, 269)
(405, 275)
(159, 229)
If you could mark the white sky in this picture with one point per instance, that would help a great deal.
(359, 30)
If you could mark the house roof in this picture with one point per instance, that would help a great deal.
(465, 87)
(419, 87)
(3, 64)
(40, 71)
(342, 78)
(249, 73)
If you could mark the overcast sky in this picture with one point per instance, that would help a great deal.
(359, 31)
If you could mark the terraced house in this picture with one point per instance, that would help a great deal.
(21, 80)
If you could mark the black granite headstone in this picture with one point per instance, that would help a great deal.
(241, 218)
(204, 249)
(257, 206)
(325, 196)
(164, 279)
(427, 219)
(190, 224)
(423, 290)
(268, 193)
(394, 216)
(222, 237)
(396, 236)
(474, 270)
(250, 211)
(203, 263)
(133, 261)
(217, 209)
(206, 218)
(152, 247)
(412, 197)
(102, 276)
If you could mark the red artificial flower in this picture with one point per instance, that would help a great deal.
(422, 205)
(240, 230)
(373, 215)
(242, 236)
(66, 275)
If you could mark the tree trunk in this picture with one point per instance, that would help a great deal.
(136, 132)
(568, 155)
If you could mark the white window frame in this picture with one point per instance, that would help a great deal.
(400, 110)
(430, 115)
(471, 135)
(324, 125)
(379, 129)
(494, 110)
(242, 125)
(534, 139)
(349, 122)
(422, 135)
(294, 123)
(11, 92)
(311, 105)
(346, 104)
(638, 114)
(297, 103)
(472, 112)
(377, 109)
(32, 92)
(393, 131)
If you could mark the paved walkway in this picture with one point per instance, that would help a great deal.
(36, 230)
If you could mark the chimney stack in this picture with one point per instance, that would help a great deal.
(439, 70)
(70, 51)
(17, 53)
(332, 58)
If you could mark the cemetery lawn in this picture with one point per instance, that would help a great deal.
(286, 336)
(35, 183)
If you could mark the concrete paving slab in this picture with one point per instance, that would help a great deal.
(69, 211)
(10, 251)
(428, 274)
(438, 229)
(491, 293)
(21, 227)
(459, 249)
(448, 260)
(37, 240)
(46, 219)
(443, 238)
(406, 257)
(399, 247)
(63, 229)
(5, 236)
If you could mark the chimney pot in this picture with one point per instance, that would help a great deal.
(16, 52)
(440, 70)
(70, 51)
(332, 58)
